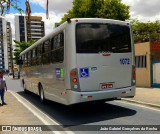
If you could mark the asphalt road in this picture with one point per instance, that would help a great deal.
(109, 113)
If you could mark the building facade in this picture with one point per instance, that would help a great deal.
(143, 64)
(32, 29)
(147, 62)
(6, 62)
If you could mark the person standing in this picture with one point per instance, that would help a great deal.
(3, 86)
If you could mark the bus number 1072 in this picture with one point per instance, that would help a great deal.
(125, 61)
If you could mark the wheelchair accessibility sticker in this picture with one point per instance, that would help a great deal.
(84, 72)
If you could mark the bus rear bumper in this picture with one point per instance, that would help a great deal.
(80, 97)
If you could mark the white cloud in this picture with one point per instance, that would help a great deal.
(144, 10)
(57, 6)
(49, 23)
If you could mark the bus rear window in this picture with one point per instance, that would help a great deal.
(99, 37)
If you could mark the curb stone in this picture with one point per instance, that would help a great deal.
(141, 103)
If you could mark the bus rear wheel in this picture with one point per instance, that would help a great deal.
(41, 93)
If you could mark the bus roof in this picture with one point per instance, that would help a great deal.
(61, 27)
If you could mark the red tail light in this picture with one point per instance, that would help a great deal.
(73, 73)
(74, 80)
(134, 68)
(134, 75)
(134, 72)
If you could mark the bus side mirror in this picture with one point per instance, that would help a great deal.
(20, 62)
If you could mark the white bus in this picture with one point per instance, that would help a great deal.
(87, 59)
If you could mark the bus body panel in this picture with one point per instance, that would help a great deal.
(70, 53)
(103, 70)
(46, 76)
(80, 97)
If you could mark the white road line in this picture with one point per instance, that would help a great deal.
(39, 114)
(139, 105)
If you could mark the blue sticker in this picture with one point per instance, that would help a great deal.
(58, 73)
(84, 72)
(94, 68)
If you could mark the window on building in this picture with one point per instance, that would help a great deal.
(141, 61)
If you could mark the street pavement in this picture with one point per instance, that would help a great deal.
(109, 113)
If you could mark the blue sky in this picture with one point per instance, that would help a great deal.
(35, 7)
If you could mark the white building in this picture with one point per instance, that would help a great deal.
(29, 29)
(5, 45)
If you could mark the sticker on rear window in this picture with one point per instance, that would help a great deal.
(125, 61)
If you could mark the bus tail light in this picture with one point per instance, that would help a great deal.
(73, 73)
(133, 75)
(74, 80)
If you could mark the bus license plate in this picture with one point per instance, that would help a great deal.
(106, 85)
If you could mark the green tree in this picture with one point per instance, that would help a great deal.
(145, 31)
(114, 9)
(21, 46)
(110, 9)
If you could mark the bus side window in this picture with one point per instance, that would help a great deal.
(52, 43)
(29, 58)
(62, 39)
(45, 52)
(39, 54)
(59, 53)
(52, 55)
(25, 59)
(57, 48)
(56, 43)
(34, 57)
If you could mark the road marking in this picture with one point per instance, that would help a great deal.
(39, 114)
(139, 105)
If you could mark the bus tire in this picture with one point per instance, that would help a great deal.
(41, 94)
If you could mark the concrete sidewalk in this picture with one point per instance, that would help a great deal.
(14, 113)
(146, 96)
